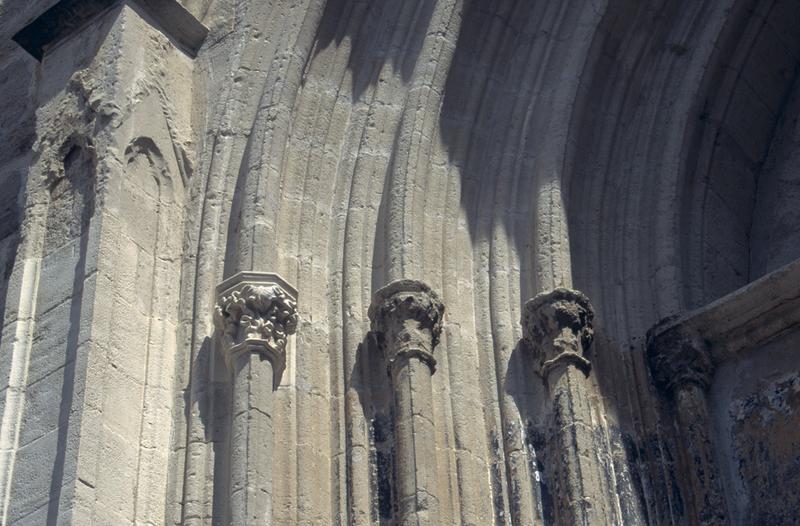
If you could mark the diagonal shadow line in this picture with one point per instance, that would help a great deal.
(70, 358)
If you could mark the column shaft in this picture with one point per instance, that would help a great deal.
(251, 440)
(681, 365)
(693, 422)
(406, 315)
(575, 463)
(416, 443)
(255, 314)
(558, 329)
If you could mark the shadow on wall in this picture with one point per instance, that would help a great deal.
(9, 237)
(73, 198)
(486, 98)
(621, 187)
(371, 381)
(16, 140)
(497, 103)
(734, 225)
(387, 31)
(496, 99)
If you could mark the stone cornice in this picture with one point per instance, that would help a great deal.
(557, 326)
(744, 319)
(256, 312)
(70, 16)
(686, 348)
(406, 315)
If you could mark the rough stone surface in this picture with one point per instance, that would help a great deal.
(406, 317)
(504, 154)
(558, 328)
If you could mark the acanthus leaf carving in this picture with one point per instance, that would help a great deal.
(256, 313)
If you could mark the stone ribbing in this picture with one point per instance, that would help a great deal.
(359, 184)
(255, 314)
(407, 315)
(682, 369)
(326, 147)
(558, 329)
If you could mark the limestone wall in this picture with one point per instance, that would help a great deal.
(494, 150)
(756, 421)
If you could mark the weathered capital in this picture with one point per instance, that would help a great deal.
(677, 358)
(256, 312)
(557, 326)
(407, 317)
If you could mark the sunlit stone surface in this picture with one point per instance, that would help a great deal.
(312, 262)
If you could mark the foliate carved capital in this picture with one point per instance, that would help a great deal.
(256, 312)
(406, 316)
(677, 358)
(557, 326)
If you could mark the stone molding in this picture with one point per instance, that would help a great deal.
(557, 326)
(677, 358)
(406, 316)
(256, 312)
(740, 321)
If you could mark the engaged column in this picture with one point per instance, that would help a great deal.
(406, 315)
(682, 369)
(255, 314)
(558, 330)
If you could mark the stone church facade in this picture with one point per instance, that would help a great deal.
(400, 262)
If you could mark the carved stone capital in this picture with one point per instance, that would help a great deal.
(677, 358)
(557, 326)
(256, 312)
(406, 316)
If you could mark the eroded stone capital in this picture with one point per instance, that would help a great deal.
(256, 312)
(557, 326)
(677, 358)
(406, 315)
